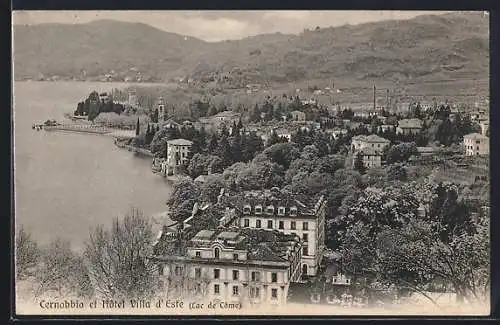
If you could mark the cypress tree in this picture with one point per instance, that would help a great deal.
(359, 164)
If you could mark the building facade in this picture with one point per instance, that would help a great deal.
(290, 214)
(409, 126)
(371, 158)
(177, 154)
(373, 141)
(476, 144)
(240, 267)
(298, 116)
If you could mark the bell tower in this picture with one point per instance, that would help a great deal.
(161, 109)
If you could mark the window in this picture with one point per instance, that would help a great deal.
(477, 148)
(255, 276)
(236, 274)
(247, 209)
(274, 277)
(217, 253)
(216, 289)
(178, 270)
(216, 273)
(258, 209)
(270, 209)
(281, 211)
(274, 293)
(197, 273)
(246, 223)
(305, 237)
(254, 292)
(269, 224)
(160, 270)
(305, 226)
(281, 225)
(292, 225)
(305, 251)
(257, 224)
(478, 142)
(235, 257)
(198, 254)
(293, 211)
(236, 291)
(334, 280)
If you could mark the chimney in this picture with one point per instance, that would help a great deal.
(387, 99)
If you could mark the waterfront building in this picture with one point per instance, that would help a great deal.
(476, 144)
(288, 213)
(409, 126)
(243, 267)
(177, 154)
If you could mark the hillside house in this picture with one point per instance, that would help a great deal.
(485, 126)
(335, 133)
(386, 128)
(373, 141)
(476, 144)
(283, 133)
(409, 126)
(372, 158)
(298, 116)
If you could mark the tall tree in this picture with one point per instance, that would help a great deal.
(27, 254)
(137, 128)
(359, 164)
(118, 258)
(214, 142)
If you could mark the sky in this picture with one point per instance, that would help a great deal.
(214, 26)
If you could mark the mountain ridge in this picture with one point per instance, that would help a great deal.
(425, 47)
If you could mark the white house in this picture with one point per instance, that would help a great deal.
(476, 144)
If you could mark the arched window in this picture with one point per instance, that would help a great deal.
(217, 253)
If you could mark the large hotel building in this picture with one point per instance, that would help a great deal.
(246, 249)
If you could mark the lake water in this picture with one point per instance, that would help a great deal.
(66, 183)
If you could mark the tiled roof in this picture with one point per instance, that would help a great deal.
(413, 123)
(276, 198)
(475, 136)
(372, 138)
(180, 142)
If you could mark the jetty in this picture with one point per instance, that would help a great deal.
(85, 128)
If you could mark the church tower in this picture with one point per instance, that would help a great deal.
(161, 109)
